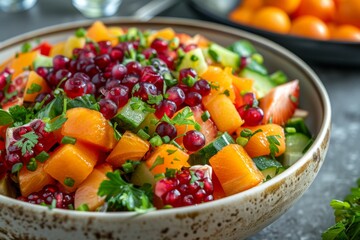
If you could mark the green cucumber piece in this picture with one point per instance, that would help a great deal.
(132, 114)
(202, 156)
(268, 166)
(149, 124)
(257, 67)
(262, 83)
(300, 126)
(296, 143)
(243, 48)
(42, 61)
(142, 175)
(224, 56)
(194, 59)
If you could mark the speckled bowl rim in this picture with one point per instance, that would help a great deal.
(270, 46)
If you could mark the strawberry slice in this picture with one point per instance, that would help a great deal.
(280, 103)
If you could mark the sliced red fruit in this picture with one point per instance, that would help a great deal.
(44, 48)
(280, 103)
(208, 127)
(16, 86)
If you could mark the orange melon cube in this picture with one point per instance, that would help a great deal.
(182, 129)
(23, 61)
(235, 170)
(89, 126)
(129, 147)
(87, 191)
(165, 33)
(73, 162)
(99, 32)
(35, 85)
(33, 181)
(166, 156)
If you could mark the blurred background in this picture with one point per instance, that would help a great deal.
(311, 215)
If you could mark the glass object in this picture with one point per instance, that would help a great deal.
(16, 5)
(97, 8)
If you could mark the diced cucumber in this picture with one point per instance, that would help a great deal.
(242, 47)
(262, 83)
(268, 166)
(300, 126)
(132, 114)
(194, 59)
(296, 143)
(257, 67)
(142, 175)
(203, 155)
(42, 61)
(224, 56)
(149, 124)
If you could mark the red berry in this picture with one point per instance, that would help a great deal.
(75, 87)
(159, 45)
(193, 140)
(202, 87)
(165, 107)
(176, 95)
(108, 108)
(166, 129)
(249, 98)
(193, 99)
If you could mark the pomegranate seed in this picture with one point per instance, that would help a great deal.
(159, 45)
(165, 107)
(119, 71)
(108, 108)
(166, 129)
(134, 67)
(144, 90)
(173, 198)
(168, 60)
(125, 47)
(90, 88)
(112, 83)
(60, 62)
(249, 99)
(98, 80)
(190, 47)
(176, 95)
(41, 71)
(102, 61)
(130, 80)
(158, 64)
(243, 62)
(149, 53)
(193, 140)
(193, 99)
(75, 87)
(119, 95)
(91, 70)
(104, 46)
(252, 116)
(185, 73)
(116, 54)
(154, 78)
(201, 86)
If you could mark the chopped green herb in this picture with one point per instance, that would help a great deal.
(27, 142)
(156, 141)
(81, 32)
(205, 116)
(53, 204)
(154, 99)
(143, 135)
(169, 151)
(158, 161)
(170, 172)
(16, 167)
(227, 92)
(273, 144)
(290, 130)
(56, 124)
(214, 85)
(83, 208)
(68, 140)
(26, 47)
(242, 141)
(214, 56)
(247, 133)
(174, 43)
(182, 118)
(5, 118)
(121, 195)
(34, 88)
(189, 81)
(194, 58)
(128, 167)
(293, 98)
(32, 165)
(42, 157)
(166, 139)
(69, 182)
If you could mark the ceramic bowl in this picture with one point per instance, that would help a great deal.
(234, 217)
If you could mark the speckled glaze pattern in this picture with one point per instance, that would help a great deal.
(235, 217)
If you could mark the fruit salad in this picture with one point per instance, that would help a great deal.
(118, 119)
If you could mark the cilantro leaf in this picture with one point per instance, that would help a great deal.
(34, 88)
(273, 144)
(86, 101)
(5, 118)
(121, 195)
(182, 118)
(55, 125)
(27, 142)
(154, 99)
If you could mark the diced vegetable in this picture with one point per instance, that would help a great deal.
(34, 86)
(268, 166)
(89, 126)
(296, 144)
(226, 57)
(87, 191)
(23, 61)
(129, 147)
(194, 59)
(235, 169)
(99, 32)
(33, 181)
(132, 114)
(262, 83)
(269, 139)
(165, 33)
(142, 175)
(167, 156)
(71, 43)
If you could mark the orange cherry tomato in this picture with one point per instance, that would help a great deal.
(348, 12)
(289, 6)
(311, 27)
(323, 9)
(271, 19)
(241, 15)
(251, 4)
(346, 33)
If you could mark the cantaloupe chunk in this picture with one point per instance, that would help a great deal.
(33, 181)
(87, 191)
(167, 156)
(235, 170)
(165, 33)
(74, 162)
(23, 61)
(71, 43)
(89, 126)
(129, 147)
(182, 129)
(224, 114)
(99, 32)
(35, 85)
(57, 49)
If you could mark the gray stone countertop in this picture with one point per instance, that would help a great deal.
(311, 215)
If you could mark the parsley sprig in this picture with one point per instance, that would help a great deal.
(27, 142)
(182, 118)
(273, 144)
(123, 196)
(347, 217)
